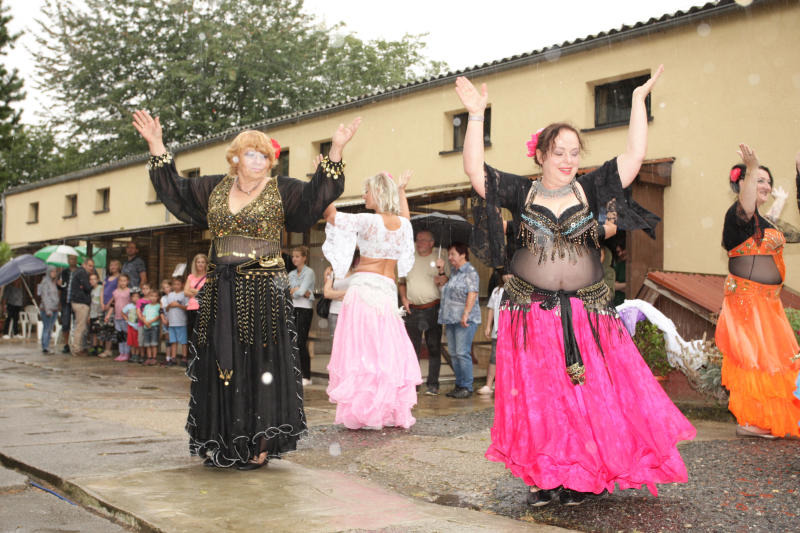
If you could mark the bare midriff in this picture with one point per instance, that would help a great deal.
(384, 267)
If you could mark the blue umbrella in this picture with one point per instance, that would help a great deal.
(23, 265)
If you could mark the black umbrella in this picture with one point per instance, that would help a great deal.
(446, 229)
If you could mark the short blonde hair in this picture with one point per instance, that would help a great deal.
(249, 139)
(384, 191)
(302, 250)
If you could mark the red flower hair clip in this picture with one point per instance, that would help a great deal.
(276, 146)
(533, 143)
(736, 173)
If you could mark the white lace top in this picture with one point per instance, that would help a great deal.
(373, 239)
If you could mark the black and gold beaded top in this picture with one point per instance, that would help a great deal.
(261, 218)
(564, 236)
(244, 233)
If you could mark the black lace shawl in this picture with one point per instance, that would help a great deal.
(604, 193)
(303, 202)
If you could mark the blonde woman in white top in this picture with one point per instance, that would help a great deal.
(373, 370)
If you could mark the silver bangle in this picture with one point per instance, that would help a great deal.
(477, 118)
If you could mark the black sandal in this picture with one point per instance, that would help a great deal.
(542, 497)
(254, 465)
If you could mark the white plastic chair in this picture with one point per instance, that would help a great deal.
(27, 318)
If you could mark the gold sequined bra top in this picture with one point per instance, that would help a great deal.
(549, 236)
(252, 232)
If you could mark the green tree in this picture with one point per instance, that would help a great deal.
(34, 153)
(10, 84)
(202, 65)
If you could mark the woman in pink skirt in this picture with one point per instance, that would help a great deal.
(577, 410)
(373, 370)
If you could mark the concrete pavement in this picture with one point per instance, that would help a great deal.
(109, 436)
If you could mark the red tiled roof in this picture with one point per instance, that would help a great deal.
(706, 290)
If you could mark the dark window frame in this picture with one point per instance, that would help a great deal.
(72, 200)
(613, 102)
(460, 130)
(104, 197)
(33, 209)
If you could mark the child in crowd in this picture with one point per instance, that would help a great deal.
(176, 317)
(95, 314)
(150, 315)
(492, 309)
(132, 317)
(143, 300)
(166, 288)
(122, 297)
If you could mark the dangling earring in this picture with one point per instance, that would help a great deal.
(235, 159)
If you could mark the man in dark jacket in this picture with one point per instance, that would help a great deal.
(81, 297)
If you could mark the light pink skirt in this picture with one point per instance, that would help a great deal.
(373, 370)
(619, 427)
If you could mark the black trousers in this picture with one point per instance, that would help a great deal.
(426, 321)
(13, 314)
(303, 318)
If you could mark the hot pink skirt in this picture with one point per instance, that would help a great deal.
(373, 370)
(619, 427)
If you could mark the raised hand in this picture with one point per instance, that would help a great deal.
(341, 137)
(150, 130)
(748, 156)
(403, 179)
(779, 193)
(643, 90)
(474, 101)
(318, 160)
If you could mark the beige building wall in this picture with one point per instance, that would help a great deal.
(729, 78)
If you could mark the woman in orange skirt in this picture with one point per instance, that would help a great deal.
(753, 333)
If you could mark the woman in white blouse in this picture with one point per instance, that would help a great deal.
(373, 370)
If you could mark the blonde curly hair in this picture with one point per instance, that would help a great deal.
(247, 140)
(384, 191)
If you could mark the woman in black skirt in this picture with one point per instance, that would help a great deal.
(246, 400)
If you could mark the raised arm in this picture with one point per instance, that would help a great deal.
(402, 182)
(748, 186)
(630, 161)
(780, 195)
(150, 130)
(797, 178)
(475, 102)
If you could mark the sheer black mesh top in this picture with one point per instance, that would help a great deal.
(738, 229)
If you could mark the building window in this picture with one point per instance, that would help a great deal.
(101, 201)
(281, 167)
(612, 101)
(33, 212)
(70, 205)
(460, 122)
(325, 148)
(191, 173)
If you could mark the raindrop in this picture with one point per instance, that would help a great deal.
(754, 79)
(335, 449)
(744, 3)
(707, 222)
(423, 325)
(514, 392)
(323, 323)
(266, 378)
(590, 447)
(662, 105)
(433, 264)
(553, 54)
(457, 121)
(703, 29)
(709, 67)
(202, 36)
(796, 80)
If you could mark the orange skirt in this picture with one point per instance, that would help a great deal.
(757, 345)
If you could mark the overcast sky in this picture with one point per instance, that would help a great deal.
(462, 33)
